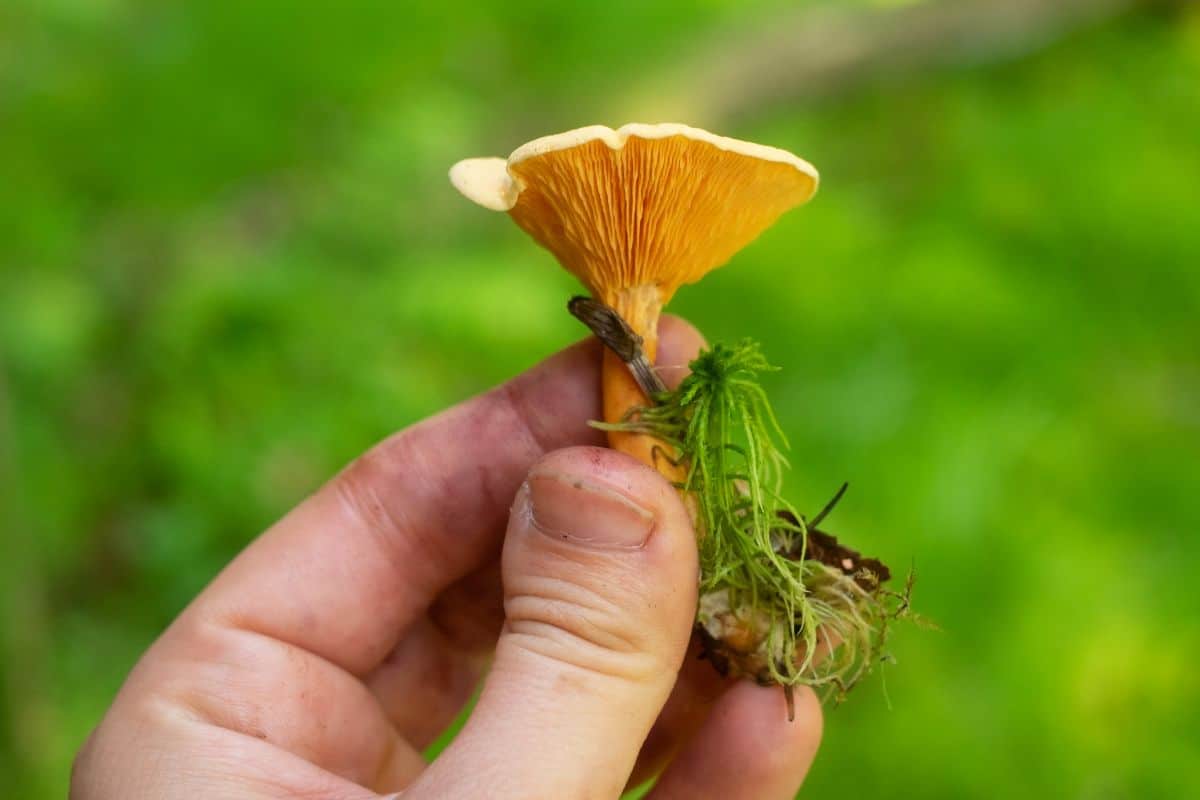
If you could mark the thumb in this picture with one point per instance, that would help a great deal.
(600, 577)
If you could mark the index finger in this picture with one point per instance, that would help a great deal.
(349, 569)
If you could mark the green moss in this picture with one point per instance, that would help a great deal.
(752, 542)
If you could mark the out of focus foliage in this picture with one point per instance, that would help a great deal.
(232, 261)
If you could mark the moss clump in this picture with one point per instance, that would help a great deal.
(781, 602)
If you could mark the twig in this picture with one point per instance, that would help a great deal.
(617, 336)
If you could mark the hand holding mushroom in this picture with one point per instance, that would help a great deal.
(328, 656)
(333, 651)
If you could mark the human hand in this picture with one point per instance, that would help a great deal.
(334, 649)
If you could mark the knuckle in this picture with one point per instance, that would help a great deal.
(385, 516)
(579, 625)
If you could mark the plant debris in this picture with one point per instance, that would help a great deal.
(782, 602)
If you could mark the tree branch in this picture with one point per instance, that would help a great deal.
(825, 51)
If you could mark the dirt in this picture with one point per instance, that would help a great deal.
(824, 547)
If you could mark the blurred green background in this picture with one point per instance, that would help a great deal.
(232, 261)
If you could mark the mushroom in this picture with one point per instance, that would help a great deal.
(635, 213)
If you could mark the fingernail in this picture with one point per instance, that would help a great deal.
(569, 508)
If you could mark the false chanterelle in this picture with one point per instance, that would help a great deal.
(635, 213)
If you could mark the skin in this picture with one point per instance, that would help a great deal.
(496, 537)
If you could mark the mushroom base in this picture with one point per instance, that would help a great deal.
(852, 612)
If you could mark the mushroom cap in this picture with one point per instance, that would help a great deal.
(643, 205)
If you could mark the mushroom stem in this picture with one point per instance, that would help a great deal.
(639, 306)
